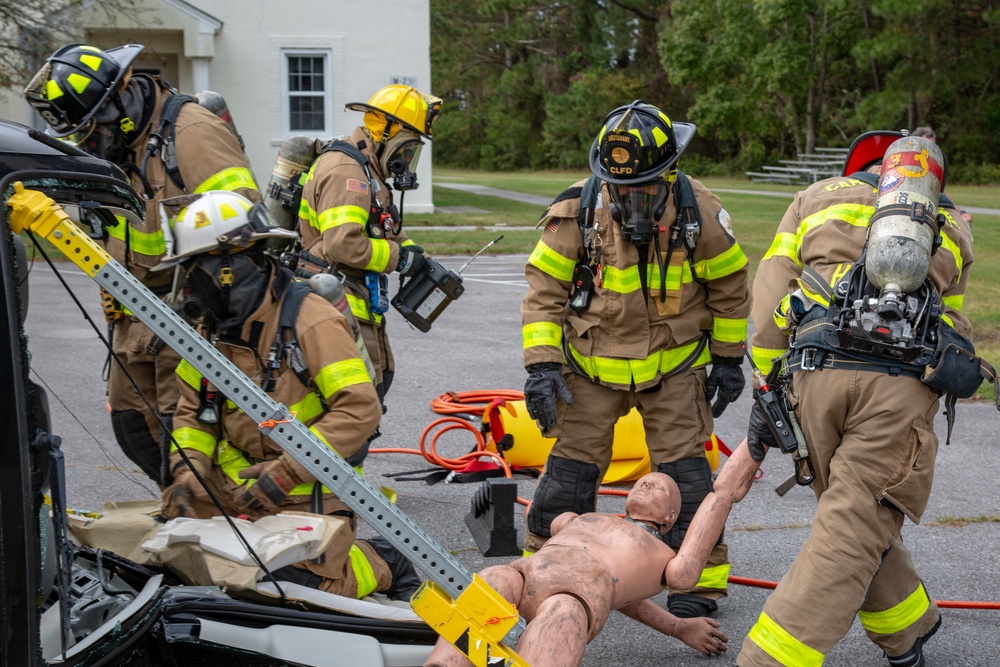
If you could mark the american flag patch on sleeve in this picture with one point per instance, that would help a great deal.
(354, 185)
(553, 225)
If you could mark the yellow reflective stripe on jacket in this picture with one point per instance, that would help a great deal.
(189, 374)
(618, 280)
(363, 572)
(784, 244)
(676, 276)
(332, 217)
(334, 377)
(231, 178)
(787, 245)
(726, 330)
(815, 296)
(231, 461)
(721, 265)
(714, 577)
(547, 260)
(950, 246)
(380, 255)
(308, 408)
(781, 312)
(541, 333)
(625, 281)
(764, 357)
(955, 301)
(360, 309)
(186, 437)
(144, 243)
(626, 371)
(407, 242)
(947, 320)
(782, 646)
(856, 215)
(898, 618)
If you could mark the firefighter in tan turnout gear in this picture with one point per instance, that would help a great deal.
(878, 267)
(302, 352)
(349, 222)
(92, 98)
(635, 287)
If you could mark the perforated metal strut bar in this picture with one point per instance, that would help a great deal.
(34, 211)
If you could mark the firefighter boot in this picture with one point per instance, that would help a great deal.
(404, 576)
(685, 605)
(915, 656)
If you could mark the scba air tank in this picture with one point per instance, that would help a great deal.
(902, 230)
(281, 197)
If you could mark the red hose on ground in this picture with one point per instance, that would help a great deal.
(943, 604)
(476, 402)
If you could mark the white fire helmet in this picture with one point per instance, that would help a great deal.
(214, 221)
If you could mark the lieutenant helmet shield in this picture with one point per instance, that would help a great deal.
(638, 142)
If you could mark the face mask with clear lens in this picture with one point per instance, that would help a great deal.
(638, 207)
(402, 164)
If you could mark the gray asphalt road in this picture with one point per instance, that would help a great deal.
(475, 345)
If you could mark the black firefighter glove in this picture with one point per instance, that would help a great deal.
(759, 434)
(727, 378)
(411, 258)
(544, 383)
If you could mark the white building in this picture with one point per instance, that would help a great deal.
(285, 67)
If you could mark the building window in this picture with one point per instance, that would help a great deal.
(307, 92)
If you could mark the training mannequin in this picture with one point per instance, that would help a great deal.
(596, 563)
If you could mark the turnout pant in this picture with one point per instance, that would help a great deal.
(152, 365)
(872, 445)
(677, 421)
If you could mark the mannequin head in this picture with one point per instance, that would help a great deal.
(654, 498)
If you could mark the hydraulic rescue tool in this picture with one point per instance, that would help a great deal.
(425, 296)
(773, 401)
(455, 603)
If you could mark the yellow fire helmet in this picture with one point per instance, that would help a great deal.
(397, 106)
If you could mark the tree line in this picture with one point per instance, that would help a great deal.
(527, 83)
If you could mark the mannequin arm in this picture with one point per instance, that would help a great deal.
(731, 487)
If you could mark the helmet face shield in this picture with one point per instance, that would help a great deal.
(638, 207)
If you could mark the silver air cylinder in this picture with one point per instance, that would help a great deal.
(902, 230)
(295, 156)
(331, 288)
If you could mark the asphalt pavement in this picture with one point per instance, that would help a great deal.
(475, 345)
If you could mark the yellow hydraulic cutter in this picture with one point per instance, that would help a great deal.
(459, 605)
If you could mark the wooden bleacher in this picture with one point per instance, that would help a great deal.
(805, 169)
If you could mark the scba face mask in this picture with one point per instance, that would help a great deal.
(402, 155)
(222, 291)
(638, 208)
